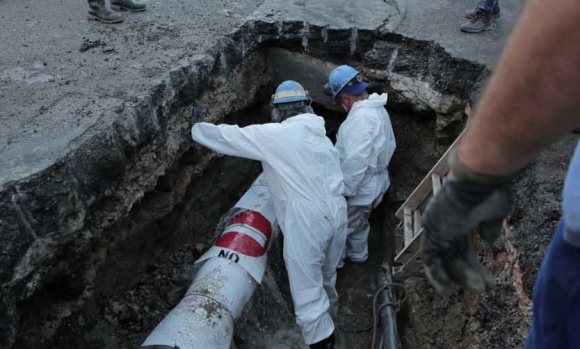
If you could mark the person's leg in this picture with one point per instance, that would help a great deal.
(487, 5)
(358, 233)
(574, 326)
(99, 11)
(556, 297)
(480, 20)
(334, 254)
(128, 5)
(495, 12)
(327, 343)
(304, 255)
(96, 4)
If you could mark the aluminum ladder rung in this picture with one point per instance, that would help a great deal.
(436, 182)
(408, 227)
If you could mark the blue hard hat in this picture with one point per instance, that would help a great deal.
(346, 79)
(289, 91)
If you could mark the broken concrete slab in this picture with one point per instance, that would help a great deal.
(371, 14)
(436, 21)
(52, 93)
(439, 21)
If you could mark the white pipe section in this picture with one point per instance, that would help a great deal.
(204, 319)
(205, 316)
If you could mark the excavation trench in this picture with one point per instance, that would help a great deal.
(129, 241)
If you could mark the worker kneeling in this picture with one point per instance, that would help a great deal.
(303, 173)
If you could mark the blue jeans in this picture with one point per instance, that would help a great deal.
(488, 5)
(571, 200)
(556, 321)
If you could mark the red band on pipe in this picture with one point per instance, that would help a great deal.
(243, 243)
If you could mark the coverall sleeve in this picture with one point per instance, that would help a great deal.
(247, 142)
(357, 149)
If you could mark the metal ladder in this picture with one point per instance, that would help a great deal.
(410, 212)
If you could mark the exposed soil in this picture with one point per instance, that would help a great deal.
(501, 318)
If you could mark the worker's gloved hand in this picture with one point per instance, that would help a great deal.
(466, 201)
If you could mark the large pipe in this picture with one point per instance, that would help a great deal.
(204, 319)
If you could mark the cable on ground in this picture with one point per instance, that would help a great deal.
(395, 304)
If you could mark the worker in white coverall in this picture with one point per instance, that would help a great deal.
(365, 143)
(303, 173)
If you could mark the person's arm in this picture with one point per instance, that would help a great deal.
(248, 142)
(533, 96)
(357, 148)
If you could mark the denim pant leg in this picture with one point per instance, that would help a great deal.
(96, 3)
(573, 325)
(556, 318)
(488, 5)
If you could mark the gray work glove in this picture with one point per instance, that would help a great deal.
(466, 201)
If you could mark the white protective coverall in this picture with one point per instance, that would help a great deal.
(302, 170)
(366, 143)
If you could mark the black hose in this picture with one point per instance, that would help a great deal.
(397, 304)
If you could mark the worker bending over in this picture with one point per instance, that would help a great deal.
(302, 170)
(365, 143)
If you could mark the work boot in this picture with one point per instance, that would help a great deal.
(128, 5)
(479, 23)
(327, 343)
(99, 11)
(494, 13)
